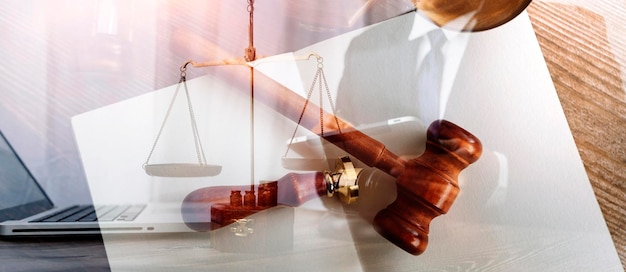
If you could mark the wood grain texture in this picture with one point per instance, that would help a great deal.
(585, 68)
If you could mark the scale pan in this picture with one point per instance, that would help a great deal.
(182, 170)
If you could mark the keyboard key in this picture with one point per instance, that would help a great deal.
(131, 213)
(112, 214)
(60, 215)
(87, 210)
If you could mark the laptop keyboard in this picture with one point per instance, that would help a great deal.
(87, 213)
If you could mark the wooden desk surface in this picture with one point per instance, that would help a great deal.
(85, 254)
(585, 50)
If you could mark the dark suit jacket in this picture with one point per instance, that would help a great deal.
(374, 87)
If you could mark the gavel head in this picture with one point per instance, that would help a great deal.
(486, 14)
(443, 137)
(428, 186)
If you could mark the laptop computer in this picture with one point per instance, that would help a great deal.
(27, 211)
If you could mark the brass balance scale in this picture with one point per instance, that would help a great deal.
(427, 186)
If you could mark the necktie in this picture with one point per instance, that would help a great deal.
(429, 78)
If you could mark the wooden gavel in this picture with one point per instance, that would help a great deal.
(427, 186)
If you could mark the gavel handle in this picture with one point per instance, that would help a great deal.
(337, 131)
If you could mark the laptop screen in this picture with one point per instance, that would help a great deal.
(20, 195)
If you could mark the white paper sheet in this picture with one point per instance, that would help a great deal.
(537, 212)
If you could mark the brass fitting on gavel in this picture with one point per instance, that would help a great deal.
(343, 181)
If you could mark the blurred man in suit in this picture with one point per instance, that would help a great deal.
(404, 46)
(390, 72)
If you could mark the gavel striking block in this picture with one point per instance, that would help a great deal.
(251, 223)
(211, 208)
(243, 205)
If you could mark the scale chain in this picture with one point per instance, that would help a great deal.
(319, 75)
(198, 144)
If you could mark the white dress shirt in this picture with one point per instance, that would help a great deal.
(453, 49)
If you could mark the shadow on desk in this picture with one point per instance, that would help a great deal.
(56, 254)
